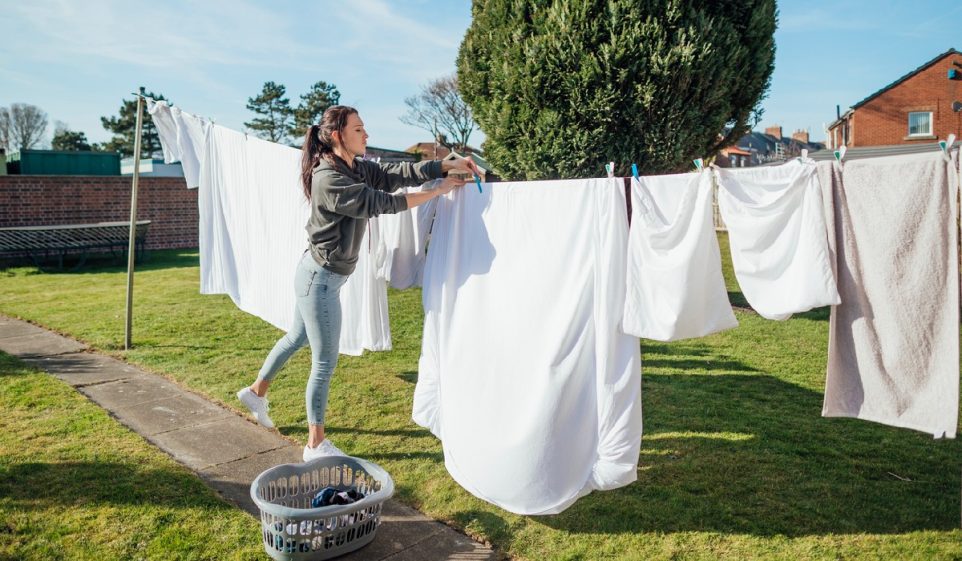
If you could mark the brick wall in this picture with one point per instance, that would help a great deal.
(41, 200)
(884, 120)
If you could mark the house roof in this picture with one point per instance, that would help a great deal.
(892, 85)
(736, 150)
(430, 147)
(481, 162)
(766, 143)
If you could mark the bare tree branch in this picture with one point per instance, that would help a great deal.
(22, 126)
(439, 109)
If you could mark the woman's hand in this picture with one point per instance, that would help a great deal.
(460, 165)
(445, 186)
(448, 184)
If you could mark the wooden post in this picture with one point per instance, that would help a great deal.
(132, 246)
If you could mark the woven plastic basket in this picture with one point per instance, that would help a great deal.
(293, 531)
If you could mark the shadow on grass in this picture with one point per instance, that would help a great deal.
(739, 454)
(410, 377)
(38, 485)
(97, 264)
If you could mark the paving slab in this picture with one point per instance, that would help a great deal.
(180, 411)
(40, 344)
(82, 369)
(233, 479)
(136, 389)
(15, 328)
(218, 442)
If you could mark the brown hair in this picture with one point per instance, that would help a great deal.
(319, 142)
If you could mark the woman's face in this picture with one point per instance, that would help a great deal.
(354, 138)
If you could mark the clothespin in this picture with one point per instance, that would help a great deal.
(804, 153)
(947, 143)
(610, 168)
(699, 164)
(840, 154)
(634, 172)
(477, 181)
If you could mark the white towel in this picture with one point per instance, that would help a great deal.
(675, 285)
(776, 230)
(893, 354)
(524, 374)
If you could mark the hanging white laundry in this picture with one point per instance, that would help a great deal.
(191, 136)
(776, 230)
(252, 216)
(166, 129)
(524, 374)
(893, 354)
(364, 299)
(675, 285)
(405, 237)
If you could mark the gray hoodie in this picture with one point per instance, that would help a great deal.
(342, 200)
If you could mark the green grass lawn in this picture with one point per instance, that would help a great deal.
(736, 461)
(76, 485)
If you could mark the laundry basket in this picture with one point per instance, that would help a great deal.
(293, 531)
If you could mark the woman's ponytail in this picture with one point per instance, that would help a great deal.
(319, 142)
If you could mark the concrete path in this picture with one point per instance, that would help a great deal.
(225, 449)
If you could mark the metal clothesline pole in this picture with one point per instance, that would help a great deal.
(132, 245)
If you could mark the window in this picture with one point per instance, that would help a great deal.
(733, 160)
(920, 123)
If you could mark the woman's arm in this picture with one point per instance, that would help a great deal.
(449, 183)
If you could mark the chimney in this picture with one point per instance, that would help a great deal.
(801, 136)
(775, 131)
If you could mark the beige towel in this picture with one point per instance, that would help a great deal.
(893, 354)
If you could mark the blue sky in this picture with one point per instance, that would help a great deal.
(78, 60)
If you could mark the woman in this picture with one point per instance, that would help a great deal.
(344, 193)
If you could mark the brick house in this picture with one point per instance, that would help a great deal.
(919, 108)
(756, 148)
(435, 150)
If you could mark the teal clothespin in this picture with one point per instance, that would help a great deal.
(634, 171)
(947, 143)
(699, 164)
(477, 181)
(610, 169)
(840, 154)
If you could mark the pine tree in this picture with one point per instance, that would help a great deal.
(313, 105)
(559, 88)
(124, 127)
(64, 139)
(276, 118)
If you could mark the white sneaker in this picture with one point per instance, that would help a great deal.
(257, 405)
(323, 450)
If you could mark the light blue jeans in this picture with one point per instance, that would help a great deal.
(317, 320)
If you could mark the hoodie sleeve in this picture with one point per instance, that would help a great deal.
(335, 192)
(393, 176)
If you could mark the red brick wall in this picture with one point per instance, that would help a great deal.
(884, 120)
(40, 200)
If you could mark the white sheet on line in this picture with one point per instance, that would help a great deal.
(893, 354)
(252, 217)
(404, 241)
(675, 285)
(776, 231)
(166, 129)
(524, 374)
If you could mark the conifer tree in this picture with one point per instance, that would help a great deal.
(560, 88)
(275, 113)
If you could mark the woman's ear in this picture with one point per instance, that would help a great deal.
(336, 137)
